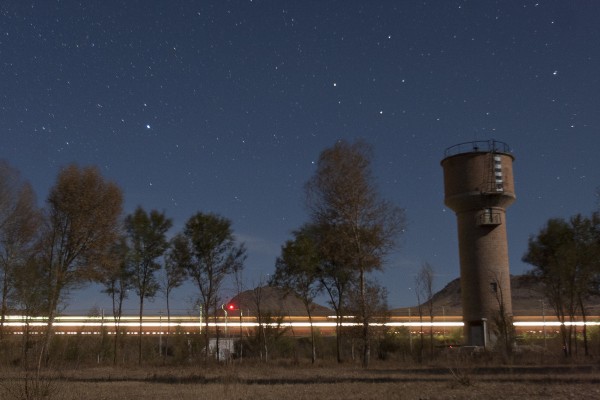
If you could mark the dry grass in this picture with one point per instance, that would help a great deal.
(345, 382)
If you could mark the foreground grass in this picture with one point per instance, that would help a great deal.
(305, 382)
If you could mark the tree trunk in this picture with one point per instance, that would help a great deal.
(206, 335)
(312, 339)
(140, 331)
(585, 338)
(4, 307)
(168, 329)
(338, 338)
(365, 322)
(431, 337)
(45, 350)
(52, 306)
(116, 320)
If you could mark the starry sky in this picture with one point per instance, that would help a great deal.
(224, 106)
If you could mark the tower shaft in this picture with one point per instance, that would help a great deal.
(479, 186)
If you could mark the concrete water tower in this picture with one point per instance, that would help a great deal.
(478, 187)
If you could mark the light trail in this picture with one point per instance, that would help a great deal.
(188, 324)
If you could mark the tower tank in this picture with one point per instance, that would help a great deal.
(478, 187)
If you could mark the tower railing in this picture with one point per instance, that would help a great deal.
(483, 146)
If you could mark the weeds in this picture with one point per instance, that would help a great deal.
(30, 387)
(462, 376)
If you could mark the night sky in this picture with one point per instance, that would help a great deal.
(224, 106)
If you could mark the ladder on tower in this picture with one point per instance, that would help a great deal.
(494, 179)
(493, 185)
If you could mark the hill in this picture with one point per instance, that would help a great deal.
(274, 301)
(525, 290)
(527, 297)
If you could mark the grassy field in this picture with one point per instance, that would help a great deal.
(278, 381)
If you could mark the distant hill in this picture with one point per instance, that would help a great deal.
(527, 296)
(526, 291)
(275, 301)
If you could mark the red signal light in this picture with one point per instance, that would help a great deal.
(231, 307)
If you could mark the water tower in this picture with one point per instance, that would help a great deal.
(478, 187)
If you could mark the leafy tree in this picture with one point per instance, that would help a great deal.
(19, 226)
(147, 243)
(363, 228)
(565, 257)
(213, 255)
(31, 293)
(586, 236)
(550, 252)
(81, 225)
(297, 270)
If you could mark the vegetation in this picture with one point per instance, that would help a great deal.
(147, 241)
(424, 292)
(297, 270)
(81, 236)
(80, 227)
(303, 382)
(19, 224)
(357, 228)
(117, 278)
(566, 259)
(212, 254)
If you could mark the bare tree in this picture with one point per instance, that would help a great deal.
(239, 286)
(269, 322)
(424, 291)
(147, 243)
(502, 320)
(214, 254)
(376, 310)
(19, 227)
(116, 276)
(81, 225)
(342, 196)
(177, 261)
(261, 334)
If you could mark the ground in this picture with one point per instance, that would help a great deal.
(283, 381)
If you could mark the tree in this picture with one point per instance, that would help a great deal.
(376, 310)
(19, 226)
(81, 226)
(586, 236)
(214, 254)
(335, 276)
(116, 277)
(363, 228)
(549, 253)
(147, 243)
(565, 257)
(176, 263)
(424, 291)
(31, 293)
(297, 271)
(502, 322)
